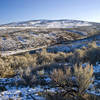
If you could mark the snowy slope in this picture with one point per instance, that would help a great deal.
(49, 24)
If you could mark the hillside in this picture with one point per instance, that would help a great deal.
(50, 24)
(50, 60)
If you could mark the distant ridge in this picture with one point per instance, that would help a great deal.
(62, 23)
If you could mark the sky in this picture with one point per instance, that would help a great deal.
(23, 10)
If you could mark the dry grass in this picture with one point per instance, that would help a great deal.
(62, 78)
(90, 54)
(5, 69)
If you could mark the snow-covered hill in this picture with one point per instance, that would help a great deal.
(49, 24)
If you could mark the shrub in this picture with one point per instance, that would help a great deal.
(31, 59)
(17, 61)
(73, 81)
(92, 97)
(27, 76)
(78, 56)
(45, 58)
(53, 96)
(89, 54)
(92, 45)
(93, 55)
(5, 69)
(83, 77)
(60, 57)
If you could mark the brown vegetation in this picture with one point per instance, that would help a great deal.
(73, 82)
(89, 54)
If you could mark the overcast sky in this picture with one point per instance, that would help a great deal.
(23, 10)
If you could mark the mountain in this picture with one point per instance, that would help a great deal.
(50, 24)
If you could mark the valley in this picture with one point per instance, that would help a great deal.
(36, 55)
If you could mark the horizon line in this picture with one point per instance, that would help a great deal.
(47, 19)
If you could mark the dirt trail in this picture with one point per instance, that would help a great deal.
(9, 53)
